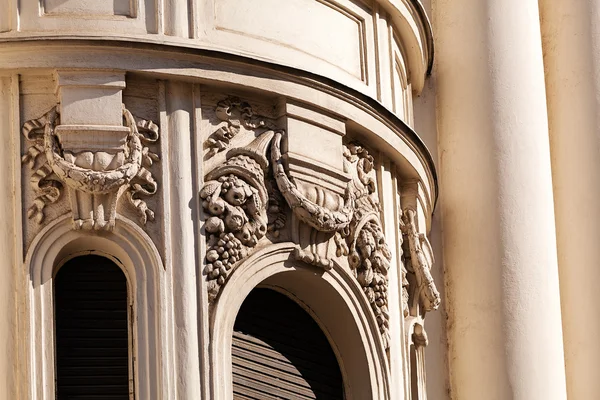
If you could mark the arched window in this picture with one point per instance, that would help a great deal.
(279, 352)
(91, 330)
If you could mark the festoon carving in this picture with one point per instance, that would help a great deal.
(97, 174)
(357, 225)
(419, 259)
(369, 255)
(236, 200)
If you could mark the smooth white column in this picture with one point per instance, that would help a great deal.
(504, 317)
(571, 40)
(179, 102)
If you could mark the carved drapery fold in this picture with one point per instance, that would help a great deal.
(97, 172)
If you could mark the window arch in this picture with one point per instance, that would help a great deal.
(279, 351)
(92, 330)
(333, 298)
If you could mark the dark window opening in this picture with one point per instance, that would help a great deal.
(92, 330)
(280, 352)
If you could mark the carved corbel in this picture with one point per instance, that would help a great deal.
(97, 163)
(419, 260)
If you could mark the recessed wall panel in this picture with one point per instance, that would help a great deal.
(5, 12)
(88, 7)
(323, 29)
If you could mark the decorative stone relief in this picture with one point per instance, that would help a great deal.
(419, 259)
(369, 255)
(236, 199)
(240, 203)
(98, 164)
(235, 113)
(321, 218)
(357, 226)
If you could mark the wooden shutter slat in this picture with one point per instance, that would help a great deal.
(92, 343)
(279, 352)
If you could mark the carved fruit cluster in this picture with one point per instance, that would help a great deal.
(370, 260)
(235, 224)
(223, 254)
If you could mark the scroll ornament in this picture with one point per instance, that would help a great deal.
(418, 263)
(236, 114)
(96, 177)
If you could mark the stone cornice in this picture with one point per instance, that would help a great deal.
(199, 63)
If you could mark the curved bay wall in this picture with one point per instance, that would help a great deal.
(149, 115)
(381, 48)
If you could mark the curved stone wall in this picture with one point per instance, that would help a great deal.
(219, 132)
(381, 48)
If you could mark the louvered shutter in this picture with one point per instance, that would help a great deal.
(279, 352)
(92, 345)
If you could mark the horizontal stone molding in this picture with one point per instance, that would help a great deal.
(344, 42)
(377, 125)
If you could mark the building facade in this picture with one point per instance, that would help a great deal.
(225, 199)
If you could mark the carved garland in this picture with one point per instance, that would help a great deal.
(125, 171)
(239, 199)
(236, 200)
(369, 255)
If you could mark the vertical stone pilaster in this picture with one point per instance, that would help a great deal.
(10, 235)
(180, 114)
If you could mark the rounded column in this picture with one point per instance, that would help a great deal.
(571, 40)
(504, 317)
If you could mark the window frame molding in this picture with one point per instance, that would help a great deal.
(132, 250)
(273, 267)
